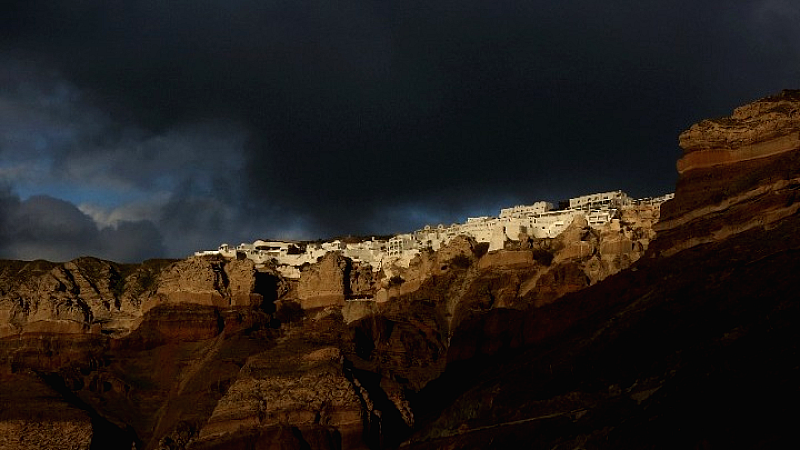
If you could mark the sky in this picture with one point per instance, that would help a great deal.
(141, 129)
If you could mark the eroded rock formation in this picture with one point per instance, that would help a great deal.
(737, 173)
(292, 386)
(701, 327)
(761, 129)
(85, 295)
(333, 279)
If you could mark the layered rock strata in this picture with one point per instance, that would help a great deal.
(86, 295)
(704, 326)
(764, 128)
(737, 173)
(333, 279)
(208, 353)
(305, 391)
(207, 281)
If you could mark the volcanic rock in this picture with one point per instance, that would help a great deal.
(737, 173)
(689, 348)
(298, 385)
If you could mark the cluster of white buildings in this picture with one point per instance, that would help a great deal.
(538, 220)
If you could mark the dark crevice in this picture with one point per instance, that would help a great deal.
(105, 434)
(384, 426)
(267, 285)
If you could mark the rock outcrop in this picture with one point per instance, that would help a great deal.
(737, 173)
(761, 129)
(460, 252)
(208, 281)
(88, 295)
(293, 386)
(80, 296)
(33, 416)
(334, 279)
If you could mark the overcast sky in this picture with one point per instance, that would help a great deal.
(138, 129)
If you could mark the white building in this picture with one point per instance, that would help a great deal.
(538, 220)
(433, 237)
(480, 228)
(601, 200)
(600, 217)
(656, 201)
(401, 243)
(372, 252)
(520, 211)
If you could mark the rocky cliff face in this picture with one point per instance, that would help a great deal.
(34, 416)
(333, 279)
(558, 341)
(85, 295)
(294, 387)
(680, 351)
(737, 173)
(212, 282)
(761, 129)
(207, 353)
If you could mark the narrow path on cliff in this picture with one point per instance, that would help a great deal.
(575, 414)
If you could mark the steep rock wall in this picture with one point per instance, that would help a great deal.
(764, 128)
(207, 281)
(34, 417)
(333, 279)
(84, 295)
(323, 283)
(737, 173)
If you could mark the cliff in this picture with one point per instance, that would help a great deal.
(669, 327)
(761, 129)
(687, 349)
(80, 296)
(333, 279)
(737, 173)
(206, 352)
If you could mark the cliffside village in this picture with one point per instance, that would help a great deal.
(538, 220)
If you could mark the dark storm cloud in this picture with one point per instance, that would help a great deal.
(373, 117)
(43, 227)
(55, 140)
